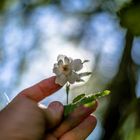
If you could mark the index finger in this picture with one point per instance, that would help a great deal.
(41, 90)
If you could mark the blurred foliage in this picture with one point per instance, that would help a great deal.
(130, 18)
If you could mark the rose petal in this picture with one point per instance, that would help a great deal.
(77, 64)
(61, 80)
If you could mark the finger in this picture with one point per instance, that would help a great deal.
(50, 137)
(53, 114)
(41, 90)
(82, 131)
(74, 119)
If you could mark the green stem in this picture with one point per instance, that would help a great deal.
(67, 92)
(67, 98)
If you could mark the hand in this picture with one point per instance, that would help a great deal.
(24, 119)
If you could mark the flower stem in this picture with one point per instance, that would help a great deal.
(67, 92)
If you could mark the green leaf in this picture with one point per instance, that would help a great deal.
(82, 99)
(78, 98)
(68, 109)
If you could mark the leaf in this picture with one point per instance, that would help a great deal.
(85, 74)
(83, 100)
(68, 109)
(85, 61)
(78, 98)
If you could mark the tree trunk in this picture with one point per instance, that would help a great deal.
(123, 92)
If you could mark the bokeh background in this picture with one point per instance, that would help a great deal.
(34, 32)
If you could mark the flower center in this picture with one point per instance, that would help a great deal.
(66, 69)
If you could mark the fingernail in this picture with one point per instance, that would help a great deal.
(55, 107)
(85, 110)
(90, 107)
(91, 104)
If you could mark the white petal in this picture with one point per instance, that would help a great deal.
(77, 64)
(56, 71)
(66, 60)
(80, 80)
(73, 77)
(55, 65)
(60, 62)
(70, 59)
(61, 57)
(61, 80)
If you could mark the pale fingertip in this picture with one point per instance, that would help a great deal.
(42, 106)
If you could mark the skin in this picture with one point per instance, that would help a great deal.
(24, 119)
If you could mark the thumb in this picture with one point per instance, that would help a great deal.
(53, 114)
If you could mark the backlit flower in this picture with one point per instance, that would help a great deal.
(66, 70)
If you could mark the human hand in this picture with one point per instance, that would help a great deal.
(23, 119)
